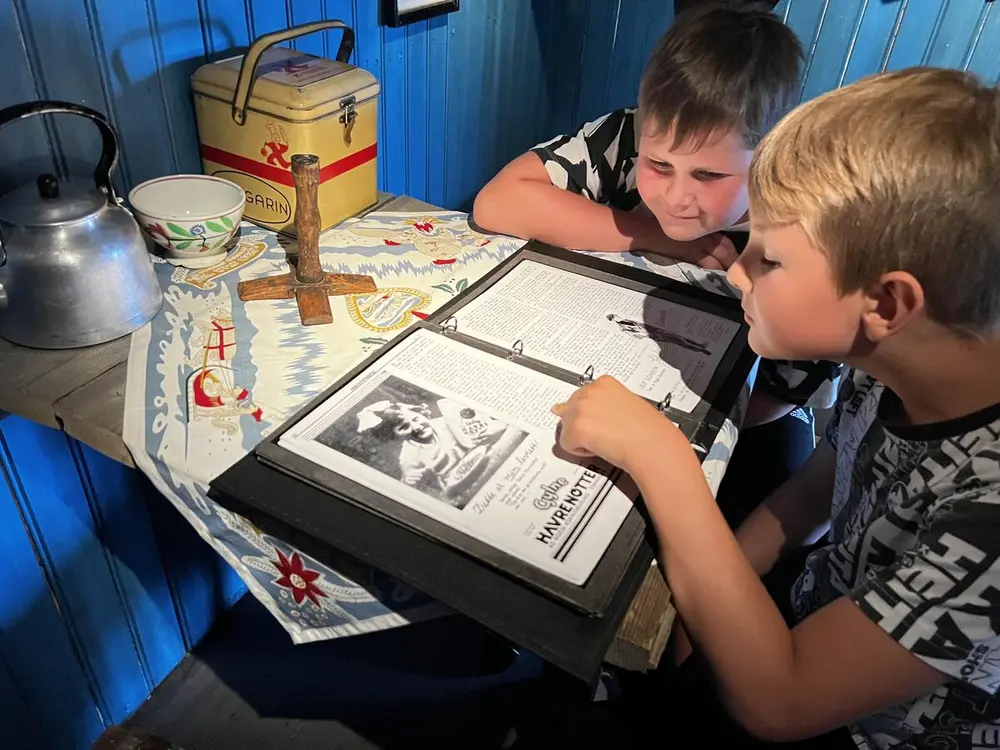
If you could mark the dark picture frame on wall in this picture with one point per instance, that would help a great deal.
(402, 12)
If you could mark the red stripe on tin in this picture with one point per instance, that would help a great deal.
(284, 176)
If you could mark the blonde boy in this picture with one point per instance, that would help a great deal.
(875, 241)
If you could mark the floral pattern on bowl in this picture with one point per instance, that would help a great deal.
(188, 215)
(208, 237)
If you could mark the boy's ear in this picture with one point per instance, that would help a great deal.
(891, 304)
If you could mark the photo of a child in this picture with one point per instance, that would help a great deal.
(440, 446)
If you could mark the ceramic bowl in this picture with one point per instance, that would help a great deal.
(189, 215)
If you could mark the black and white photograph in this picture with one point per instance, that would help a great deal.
(440, 446)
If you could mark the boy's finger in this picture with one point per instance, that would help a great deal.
(710, 263)
(558, 409)
(725, 253)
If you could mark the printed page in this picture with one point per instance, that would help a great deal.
(653, 346)
(468, 438)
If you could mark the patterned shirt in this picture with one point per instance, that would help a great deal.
(915, 543)
(598, 162)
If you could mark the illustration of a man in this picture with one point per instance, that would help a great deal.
(659, 335)
(432, 447)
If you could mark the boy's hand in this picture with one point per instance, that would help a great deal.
(713, 251)
(606, 419)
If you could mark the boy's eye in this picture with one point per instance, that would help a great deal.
(768, 264)
(708, 176)
(660, 166)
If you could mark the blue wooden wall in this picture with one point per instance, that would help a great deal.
(102, 586)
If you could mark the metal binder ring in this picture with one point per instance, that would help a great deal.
(588, 375)
(450, 325)
(516, 350)
(664, 405)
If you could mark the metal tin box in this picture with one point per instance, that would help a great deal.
(255, 110)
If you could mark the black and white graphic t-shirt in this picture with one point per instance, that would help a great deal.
(598, 162)
(915, 543)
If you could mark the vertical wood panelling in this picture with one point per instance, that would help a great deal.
(35, 645)
(180, 43)
(200, 582)
(462, 94)
(53, 36)
(805, 18)
(565, 33)
(956, 34)
(917, 28)
(508, 113)
(879, 22)
(74, 553)
(307, 11)
(18, 726)
(97, 607)
(439, 123)
(535, 49)
(835, 42)
(268, 15)
(466, 44)
(496, 22)
(393, 131)
(599, 45)
(983, 61)
(629, 54)
(28, 139)
(127, 59)
(115, 496)
(225, 24)
(417, 110)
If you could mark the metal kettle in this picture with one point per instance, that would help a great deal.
(74, 268)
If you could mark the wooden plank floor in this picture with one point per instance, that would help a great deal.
(442, 684)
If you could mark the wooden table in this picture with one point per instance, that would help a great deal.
(82, 392)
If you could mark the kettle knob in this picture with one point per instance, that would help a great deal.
(48, 186)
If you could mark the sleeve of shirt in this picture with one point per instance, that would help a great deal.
(594, 161)
(812, 384)
(941, 602)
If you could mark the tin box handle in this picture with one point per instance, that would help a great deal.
(248, 71)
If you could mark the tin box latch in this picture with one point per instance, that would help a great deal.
(349, 116)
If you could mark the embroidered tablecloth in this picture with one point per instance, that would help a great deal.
(210, 376)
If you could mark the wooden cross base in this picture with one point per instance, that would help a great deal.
(313, 298)
(307, 282)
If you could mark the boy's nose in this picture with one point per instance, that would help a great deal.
(677, 195)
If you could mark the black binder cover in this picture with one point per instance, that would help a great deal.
(278, 505)
(570, 625)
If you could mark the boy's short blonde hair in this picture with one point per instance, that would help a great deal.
(721, 66)
(899, 171)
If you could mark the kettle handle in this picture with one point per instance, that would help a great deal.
(109, 142)
(248, 71)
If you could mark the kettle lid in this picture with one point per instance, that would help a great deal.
(49, 202)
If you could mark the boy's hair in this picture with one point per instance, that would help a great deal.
(720, 67)
(899, 171)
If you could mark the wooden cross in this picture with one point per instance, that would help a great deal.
(307, 282)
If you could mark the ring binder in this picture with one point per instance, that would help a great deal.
(588, 375)
(664, 405)
(449, 325)
(516, 350)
